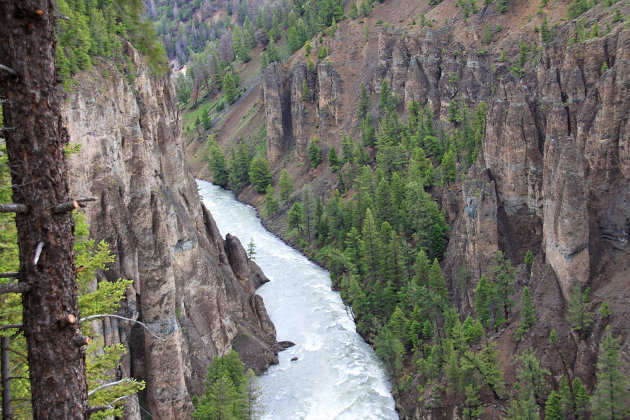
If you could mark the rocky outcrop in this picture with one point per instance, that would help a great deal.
(289, 126)
(192, 287)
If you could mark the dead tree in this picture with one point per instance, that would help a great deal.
(35, 138)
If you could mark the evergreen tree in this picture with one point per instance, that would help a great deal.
(260, 174)
(314, 153)
(529, 258)
(503, 277)
(206, 121)
(296, 217)
(216, 162)
(579, 314)
(354, 10)
(436, 281)
(229, 87)
(271, 203)
(610, 396)
(553, 408)
(528, 314)
(449, 168)
(333, 159)
(482, 302)
(531, 376)
(390, 350)
(239, 168)
(371, 252)
(363, 107)
(322, 53)
(306, 94)
(503, 6)
(285, 184)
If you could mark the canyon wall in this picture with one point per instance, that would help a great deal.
(553, 175)
(191, 287)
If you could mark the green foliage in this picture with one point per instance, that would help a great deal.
(528, 314)
(333, 159)
(314, 153)
(260, 174)
(553, 407)
(449, 168)
(239, 168)
(323, 52)
(271, 203)
(251, 249)
(503, 6)
(296, 217)
(285, 185)
(503, 275)
(306, 94)
(364, 105)
(216, 163)
(230, 391)
(529, 258)
(578, 310)
(97, 28)
(610, 396)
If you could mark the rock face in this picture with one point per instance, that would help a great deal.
(553, 175)
(191, 287)
(288, 124)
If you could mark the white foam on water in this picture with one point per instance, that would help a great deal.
(337, 375)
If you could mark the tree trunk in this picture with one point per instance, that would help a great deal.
(35, 140)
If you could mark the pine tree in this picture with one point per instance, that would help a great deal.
(503, 6)
(482, 302)
(285, 184)
(306, 94)
(229, 88)
(610, 396)
(436, 281)
(528, 314)
(322, 53)
(503, 277)
(271, 203)
(579, 315)
(449, 168)
(296, 217)
(354, 10)
(251, 249)
(553, 408)
(216, 162)
(260, 174)
(333, 159)
(314, 153)
(371, 252)
(363, 107)
(206, 121)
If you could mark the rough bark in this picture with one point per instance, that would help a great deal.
(35, 139)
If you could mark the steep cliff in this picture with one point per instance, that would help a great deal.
(191, 287)
(553, 175)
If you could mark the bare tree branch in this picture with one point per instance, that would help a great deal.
(9, 326)
(11, 274)
(13, 208)
(98, 388)
(14, 287)
(123, 318)
(9, 70)
(71, 205)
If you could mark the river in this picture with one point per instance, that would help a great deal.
(337, 375)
